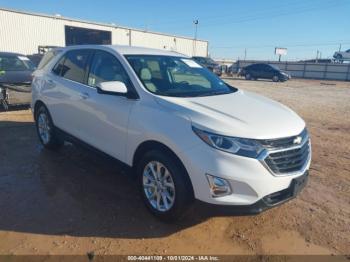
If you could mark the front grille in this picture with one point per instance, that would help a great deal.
(284, 156)
(283, 142)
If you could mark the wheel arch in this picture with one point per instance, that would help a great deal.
(37, 105)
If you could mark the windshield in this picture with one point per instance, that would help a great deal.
(176, 76)
(275, 67)
(15, 63)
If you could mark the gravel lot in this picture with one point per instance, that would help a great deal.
(74, 201)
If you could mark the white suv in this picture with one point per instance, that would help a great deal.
(187, 134)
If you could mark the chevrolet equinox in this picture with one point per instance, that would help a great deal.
(187, 134)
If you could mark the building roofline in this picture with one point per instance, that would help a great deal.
(94, 23)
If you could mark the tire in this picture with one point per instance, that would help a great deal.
(46, 130)
(275, 79)
(339, 57)
(248, 77)
(178, 197)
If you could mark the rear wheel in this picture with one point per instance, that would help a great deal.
(164, 184)
(45, 129)
(248, 76)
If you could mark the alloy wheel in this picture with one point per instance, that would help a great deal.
(44, 127)
(158, 186)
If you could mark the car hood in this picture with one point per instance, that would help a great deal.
(240, 114)
(284, 72)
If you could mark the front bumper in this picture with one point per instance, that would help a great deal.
(267, 202)
(249, 179)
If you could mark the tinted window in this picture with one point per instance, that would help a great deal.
(15, 63)
(105, 68)
(75, 65)
(266, 68)
(274, 67)
(252, 67)
(58, 67)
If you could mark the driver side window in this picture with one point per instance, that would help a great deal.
(105, 67)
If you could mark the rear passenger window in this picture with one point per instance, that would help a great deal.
(75, 65)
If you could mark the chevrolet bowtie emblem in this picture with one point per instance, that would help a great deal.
(297, 140)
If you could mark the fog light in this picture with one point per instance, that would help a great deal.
(218, 186)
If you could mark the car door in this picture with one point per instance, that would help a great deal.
(65, 89)
(254, 70)
(268, 71)
(106, 115)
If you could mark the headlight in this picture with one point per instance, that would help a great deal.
(235, 145)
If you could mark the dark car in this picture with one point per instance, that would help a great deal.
(208, 63)
(264, 71)
(15, 79)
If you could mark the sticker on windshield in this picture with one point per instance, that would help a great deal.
(23, 58)
(191, 63)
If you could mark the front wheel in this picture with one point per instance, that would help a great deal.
(165, 185)
(275, 79)
(45, 129)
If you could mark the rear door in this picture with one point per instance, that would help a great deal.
(65, 89)
(268, 72)
(254, 70)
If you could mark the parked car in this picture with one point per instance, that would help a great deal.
(342, 55)
(186, 133)
(209, 63)
(264, 71)
(15, 79)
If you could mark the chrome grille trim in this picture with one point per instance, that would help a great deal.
(283, 158)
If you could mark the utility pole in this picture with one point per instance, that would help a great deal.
(195, 22)
(339, 47)
(317, 56)
(245, 53)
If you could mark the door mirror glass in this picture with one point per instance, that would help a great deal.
(112, 87)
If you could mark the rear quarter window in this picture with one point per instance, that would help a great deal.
(47, 58)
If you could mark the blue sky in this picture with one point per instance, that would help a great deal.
(230, 26)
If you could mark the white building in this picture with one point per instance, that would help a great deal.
(23, 32)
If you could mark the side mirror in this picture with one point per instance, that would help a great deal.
(112, 88)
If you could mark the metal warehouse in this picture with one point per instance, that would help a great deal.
(24, 32)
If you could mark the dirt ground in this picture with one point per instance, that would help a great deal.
(74, 201)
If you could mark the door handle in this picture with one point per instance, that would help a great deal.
(51, 83)
(84, 95)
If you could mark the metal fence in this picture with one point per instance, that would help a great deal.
(329, 71)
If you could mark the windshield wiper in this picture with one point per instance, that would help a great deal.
(212, 93)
